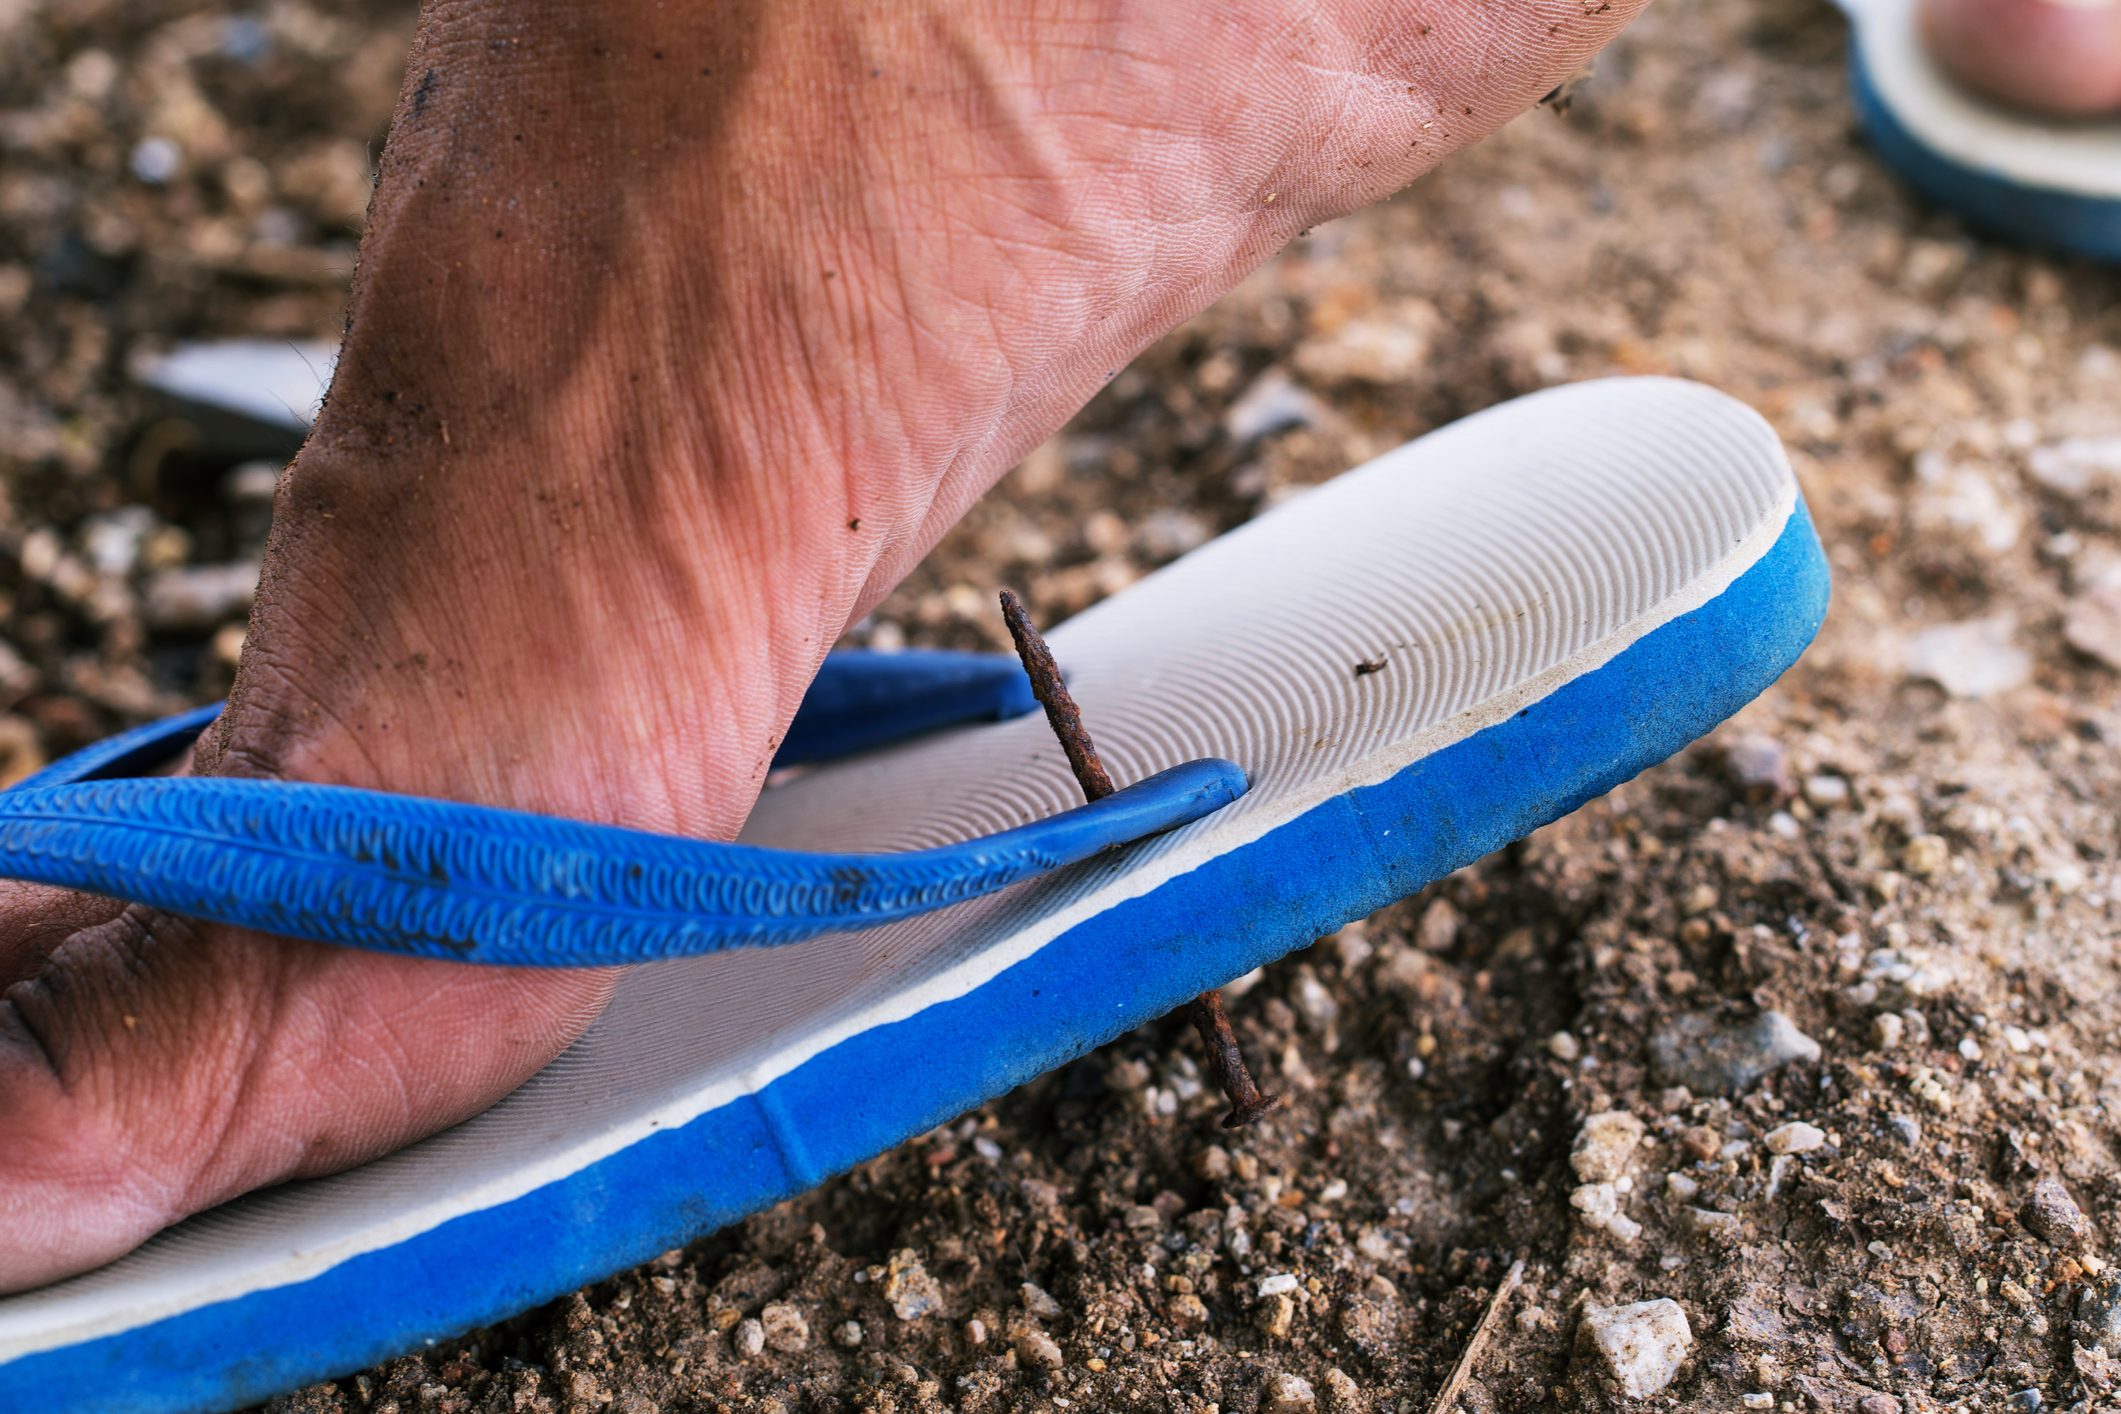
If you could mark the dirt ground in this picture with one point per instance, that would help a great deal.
(1904, 852)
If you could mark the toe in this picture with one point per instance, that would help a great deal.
(153, 1068)
(2053, 56)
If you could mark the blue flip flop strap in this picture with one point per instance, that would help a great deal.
(859, 700)
(471, 883)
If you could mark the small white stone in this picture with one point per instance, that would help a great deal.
(1596, 1201)
(785, 1328)
(1887, 1031)
(2077, 465)
(1605, 1145)
(1278, 1284)
(1976, 658)
(1639, 1347)
(1681, 1187)
(1826, 791)
(1563, 1046)
(1796, 1137)
(1969, 1048)
(155, 160)
(750, 1338)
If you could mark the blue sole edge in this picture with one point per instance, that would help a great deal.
(1989, 201)
(1140, 959)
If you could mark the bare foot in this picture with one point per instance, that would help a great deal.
(2061, 57)
(679, 336)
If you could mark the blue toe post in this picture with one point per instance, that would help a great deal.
(469, 883)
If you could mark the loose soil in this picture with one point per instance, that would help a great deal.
(1907, 848)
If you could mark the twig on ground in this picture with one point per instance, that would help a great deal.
(1462, 1373)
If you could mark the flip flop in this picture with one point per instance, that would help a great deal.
(242, 397)
(1413, 665)
(2046, 182)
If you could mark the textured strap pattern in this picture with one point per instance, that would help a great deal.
(442, 879)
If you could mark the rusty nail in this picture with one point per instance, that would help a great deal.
(1247, 1104)
(1052, 694)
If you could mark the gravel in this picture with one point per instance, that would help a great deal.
(1701, 210)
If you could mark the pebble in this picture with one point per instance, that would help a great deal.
(1037, 1301)
(1887, 1031)
(1600, 1205)
(2099, 1308)
(1825, 791)
(1273, 403)
(1925, 856)
(2052, 1214)
(1710, 1055)
(910, 1290)
(1961, 504)
(112, 541)
(1681, 1187)
(2091, 621)
(194, 599)
(1563, 1046)
(1343, 1395)
(155, 160)
(1759, 762)
(1186, 1309)
(1167, 534)
(1389, 347)
(1605, 1146)
(1876, 1403)
(1709, 1222)
(1277, 1284)
(1276, 1316)
(750, 1338)
(1438, 928)
(975, 1331)
(1973, 658)
(1287, 1394)
(17, 677)
(1796, 1137)
(1038, 1350)
(847, 1334)
(785, 1329)
(2077, 465)
(1637, 1349)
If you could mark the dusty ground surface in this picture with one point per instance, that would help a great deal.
(1906, 851)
